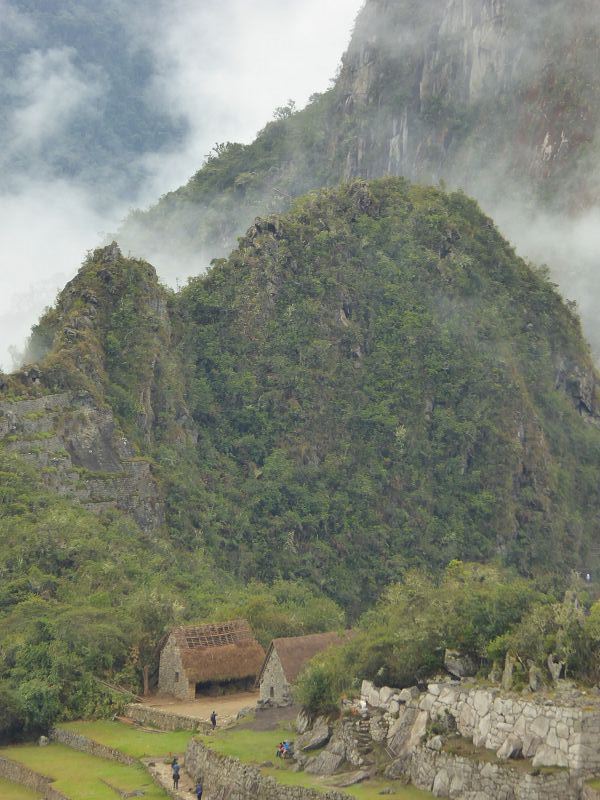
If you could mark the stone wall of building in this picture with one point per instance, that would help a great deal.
(550, 733)
(227, 778)
(447, 775)
(274, 687)
(78, 742)
(172, 678)
(19, 773)
(165, 720)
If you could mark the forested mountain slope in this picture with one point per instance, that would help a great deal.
(372, 381)
(497, 97)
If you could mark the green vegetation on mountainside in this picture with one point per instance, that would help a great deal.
(416, 97)
(378, 384)
(372, 383)
(85, 599)
(478, 610)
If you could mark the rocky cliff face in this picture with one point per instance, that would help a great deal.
(81, 453)
(107, 386)
(477, 92)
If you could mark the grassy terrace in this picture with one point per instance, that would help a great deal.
(82, 777)
(132, 741)
(12, 791)
(256, 747)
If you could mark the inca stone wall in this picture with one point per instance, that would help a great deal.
(227, 778)
(165, 720)
(447, 775)
(18, 773)
(551, 734)
(78, 742)
(274, 687)
(172, 678)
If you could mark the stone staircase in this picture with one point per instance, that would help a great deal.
(364, 742)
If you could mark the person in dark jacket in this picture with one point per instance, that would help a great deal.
(199, 790)
(175, 768)
(213, 719)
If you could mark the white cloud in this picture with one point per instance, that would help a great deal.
(222, 66)
(225, 66)
(48, 92)
(45, 230)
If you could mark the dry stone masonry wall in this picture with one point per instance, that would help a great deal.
(551, 734)
(78, 742)
(486, 728)
(18, 773)
(165, 720)
(446, 775)
(227, 778)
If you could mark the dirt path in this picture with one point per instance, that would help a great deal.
(163, 775)
(226, 706)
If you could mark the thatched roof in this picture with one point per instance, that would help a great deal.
(224, 651)
(295, 651)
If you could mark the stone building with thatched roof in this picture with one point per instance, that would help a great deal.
(209, 659)
(286, 659)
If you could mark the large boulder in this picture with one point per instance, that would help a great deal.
(386, 694)
(441, 784)
(555, 667)
(409, 695)
(511, 748)
(303, 721)
(507, 675)
(370, 694)
(460, 664)
(399, 768)
(531, 744)
(536, 680)
(351, 778)
(316, 737)
(407, 731)
(326, 763)
(549, 757)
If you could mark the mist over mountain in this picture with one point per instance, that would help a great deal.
(108, 105)
(498, 97)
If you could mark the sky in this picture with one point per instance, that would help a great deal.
(220, 67)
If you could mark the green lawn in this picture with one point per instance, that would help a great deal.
(256, 747)
(12, 791)
(130, 740)
(83, 777)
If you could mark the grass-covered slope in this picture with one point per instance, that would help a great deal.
(384, 382)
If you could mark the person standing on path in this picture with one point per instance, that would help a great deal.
(175, 768)
(213, 720)
(199, 790)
